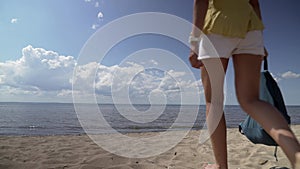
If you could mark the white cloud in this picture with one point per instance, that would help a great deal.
(284, 76)
(95, 26)
(100, 15)
(133, 81)
(46, 74)
(154, 62)
(97, 4)
(38, 69)
(14, 20)
(290, 75)
(65, 93)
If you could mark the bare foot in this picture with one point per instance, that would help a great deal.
(211, 166)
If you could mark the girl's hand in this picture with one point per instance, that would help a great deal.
(193, 58)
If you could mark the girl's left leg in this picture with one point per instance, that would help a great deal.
(247, 75)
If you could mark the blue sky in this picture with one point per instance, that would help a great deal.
(41, 40)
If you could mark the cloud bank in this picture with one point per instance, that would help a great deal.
(44, 75)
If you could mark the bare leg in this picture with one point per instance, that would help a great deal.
(247, 76)
(212, 75)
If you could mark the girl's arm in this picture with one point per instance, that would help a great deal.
(256, 7)
(199, 13)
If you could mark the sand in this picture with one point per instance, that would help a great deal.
(79, 151)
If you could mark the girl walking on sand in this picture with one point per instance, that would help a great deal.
(234, 28)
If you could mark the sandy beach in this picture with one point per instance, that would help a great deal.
(79, 151)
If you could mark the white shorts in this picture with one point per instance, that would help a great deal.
(218, 46)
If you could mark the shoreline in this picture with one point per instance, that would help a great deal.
(125, 132)
(79, 151)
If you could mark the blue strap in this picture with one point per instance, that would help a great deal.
(266, 67)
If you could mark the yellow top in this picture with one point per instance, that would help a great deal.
(233, 18)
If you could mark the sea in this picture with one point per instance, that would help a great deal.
(41, 119)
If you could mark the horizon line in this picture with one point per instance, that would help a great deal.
(173, 104)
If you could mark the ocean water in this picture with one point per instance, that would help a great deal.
(61, 118)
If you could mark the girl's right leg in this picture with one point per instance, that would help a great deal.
(212, 75)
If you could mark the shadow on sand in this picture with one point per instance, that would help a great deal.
(276, 167)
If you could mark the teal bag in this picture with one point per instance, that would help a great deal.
(269, 92)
